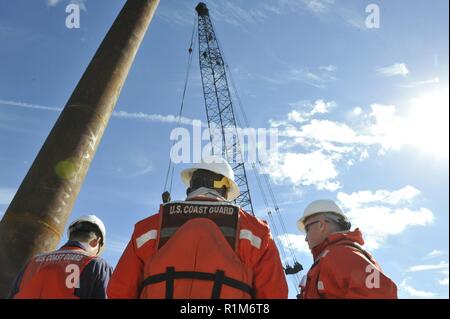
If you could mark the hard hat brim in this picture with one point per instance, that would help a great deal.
(301, 221)
(301, 224)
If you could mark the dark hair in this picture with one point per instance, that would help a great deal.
(85, 231)
(344, 225)
(340, 223)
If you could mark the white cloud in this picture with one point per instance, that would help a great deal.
(424, 125)
(80, 3)
(152, 117)
(374, 214)
(357, 111)
(319, 131)
(444, 281)
(239, 15)
(297, 242)
(415, 292)
(364, 155)
(144, 171)
(427, 123)
(236, 15)
(436, 253)
(421, 83)
(383, 127)
(379, 222)
(320, 106)
(304, 110)
(296, 116)
(441, 266)
(325, 144)
(30, 106)
(335, 152)
(327, 9)
(317, 79)
(6, 195)
(359, 199)
(353, 18)
(318, 6)
(379, 130)
(118, 114)
(329, 68)
(52, 3)
(393, 70)
(309, 169)
(328, 131)
(176, 17)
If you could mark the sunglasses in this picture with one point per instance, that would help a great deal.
(309, 225)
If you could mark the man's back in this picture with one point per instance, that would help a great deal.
(67, 273)
(254, 253)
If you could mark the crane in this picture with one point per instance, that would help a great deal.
(219, 106)
(222, 121)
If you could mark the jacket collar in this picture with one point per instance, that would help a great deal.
(352, 236)
(205, 193)
(73, 244)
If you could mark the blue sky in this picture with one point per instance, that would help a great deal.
(362, 114)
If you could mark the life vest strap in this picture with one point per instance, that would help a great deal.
(218, 277)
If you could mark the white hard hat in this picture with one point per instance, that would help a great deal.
(320, 206)
(93, 220)
(216, 165)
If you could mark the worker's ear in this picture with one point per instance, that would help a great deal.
(323, 225)
(94, 242)
(224, 192)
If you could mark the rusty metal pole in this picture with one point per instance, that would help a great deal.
(35, 219)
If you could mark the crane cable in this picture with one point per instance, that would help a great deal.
(171, 167)
(267, 206)
(266, 179)
(277, 236)
(277, 210)
(268, 185)
(275, 228)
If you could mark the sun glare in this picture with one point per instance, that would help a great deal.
(427, 123)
